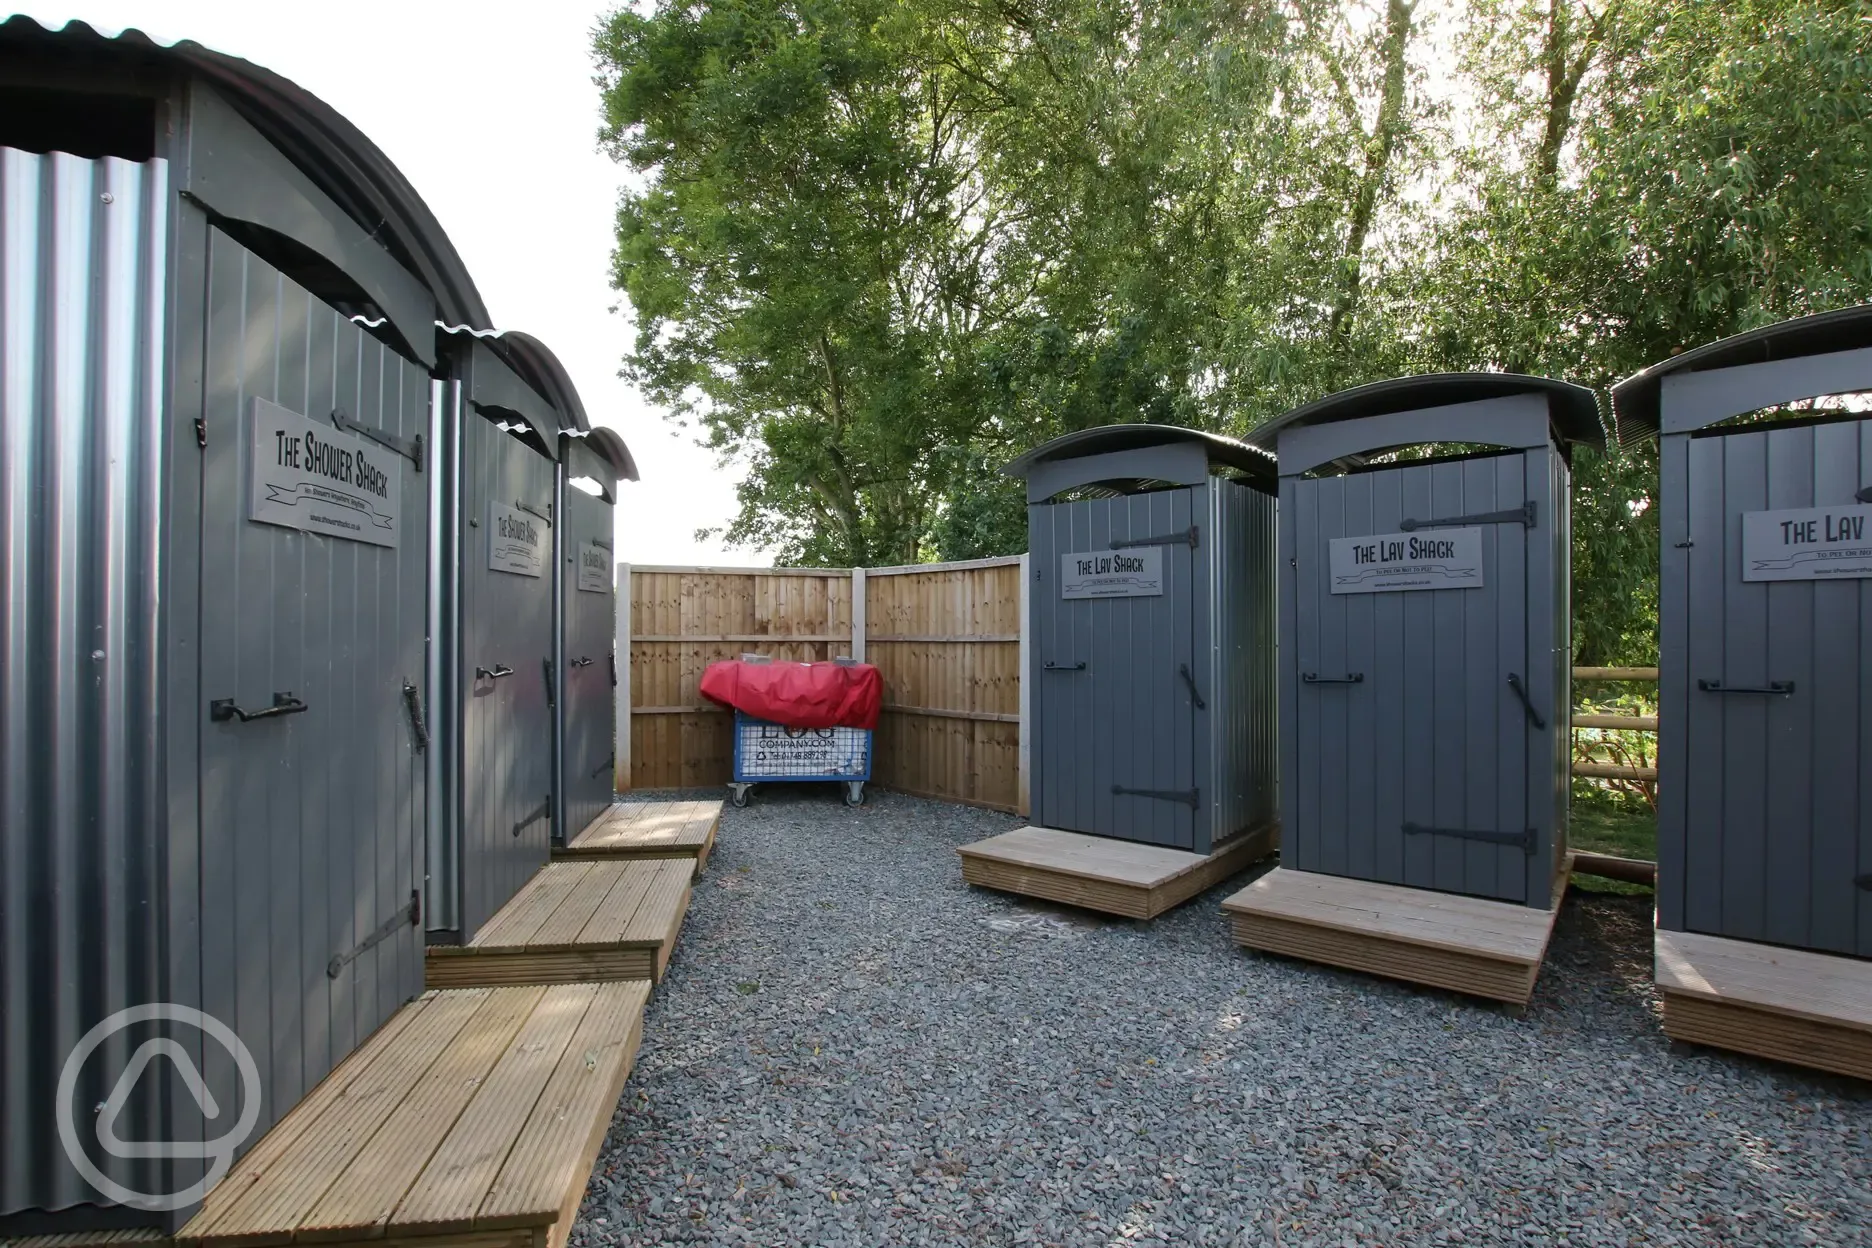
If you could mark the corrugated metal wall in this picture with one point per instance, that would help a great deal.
(590, 618)
(311, 825)
(82, 291)
(1432, 734)
(1244, 712)
(1764, 816)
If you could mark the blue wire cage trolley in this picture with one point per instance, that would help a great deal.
(766, 752)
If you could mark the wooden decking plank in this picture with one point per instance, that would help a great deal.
(449, 1192)
(575, 912)
(1503, 918)
(1089, 857)
(1823, 988)
(657, 919)
(584, 1089)
(277, 1143)
(525, 913)
(1496, 929)
(631, 881)
(272, 1207)
(361, 1200)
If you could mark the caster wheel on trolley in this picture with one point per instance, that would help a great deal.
(854, 794)
(738, 795)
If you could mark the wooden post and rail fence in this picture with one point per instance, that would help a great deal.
(947, 637)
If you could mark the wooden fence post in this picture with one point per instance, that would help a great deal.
(1026, 693)
(621, 767)
(858, 614)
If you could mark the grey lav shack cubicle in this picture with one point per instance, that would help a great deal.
(218, 327)
(1765, 634)
(1424, 630)
(587, 631)
(1151, 612)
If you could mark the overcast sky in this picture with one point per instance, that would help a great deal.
(491, 113)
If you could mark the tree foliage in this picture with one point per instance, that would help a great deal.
(878, 247)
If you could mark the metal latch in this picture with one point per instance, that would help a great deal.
(1524, 514)
(410, 448)
(581, 661)
(531, 510)
(1189, 535)
(1524, 841)
(1189, 797)
(412, 698)
(493, 673)
(408, 916)
(544, 809)
(223, 709)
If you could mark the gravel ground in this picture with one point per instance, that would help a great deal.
(853, 1048)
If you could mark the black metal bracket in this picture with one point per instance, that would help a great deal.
(1524, 514)
(1192, 535)
(534, 816)
(608, 765)
(1527, 704)
(551, 701)
(1063, 667)
(410, 448)
(1864, 881)
(1864, 495)
(412, 698)
(493, 673)
(614, 669)
(531, 510)
(1189, 797)
(223, 709)
(1524, 841)
(408, 916)
(581, 661)
(1774, 688)
(1191, 682)
(1350, 678)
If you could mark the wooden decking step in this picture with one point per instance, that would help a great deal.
(649, 830)
(1791, 1005)
(133, 1238)
(1100, 873)
(472, 1119)
(1483, 948)
(575, 921)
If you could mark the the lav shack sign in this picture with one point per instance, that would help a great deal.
(1392, 562)
(517, 540)
(1113, 574)
(311, 477)
(1811, 544)
(594, 568)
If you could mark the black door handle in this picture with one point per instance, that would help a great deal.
(1064, 667)
(1191, 682)
(1775, 688)
(1534, 716)
(581, 661)
(1350, 678)
(493, 673)
(223, 709)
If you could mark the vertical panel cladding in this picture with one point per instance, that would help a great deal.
(588, 617)
(1674, 569)
(83, 285)
(507, 727)
(1244, 704)
(311, 825)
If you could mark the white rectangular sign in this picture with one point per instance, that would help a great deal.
(517, 540)
(594, 568)
(1135, 573)
(311, 477)
(1389, 562)
(1811, 544)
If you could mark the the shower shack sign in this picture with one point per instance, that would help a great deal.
(1812, 544)
(1390, 562)
(594, 568)
(312, 477)
(517, 540)
(1113, 574)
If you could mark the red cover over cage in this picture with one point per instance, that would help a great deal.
(799, 695)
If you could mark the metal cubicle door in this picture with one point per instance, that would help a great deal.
(590, 615)
(1418, 717)
(1115, 605)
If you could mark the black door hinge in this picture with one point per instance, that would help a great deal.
(1190, 535)
(409, 915)
(531, 510)
(201, 432)
(1523, 841)
(608, 765)
(1189, 797)
(1524, 514)
(1350, 678)
(550, 700)
(410, 448)
(534, 816)
(412, 699)
(614, 669)
(1865, 495)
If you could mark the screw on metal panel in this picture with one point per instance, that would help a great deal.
(108, 198)
(97, 656)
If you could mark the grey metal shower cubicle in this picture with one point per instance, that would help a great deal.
(591, 465)
(1425, 640)
(218, 329)
(1151, 612)
(1765, 634)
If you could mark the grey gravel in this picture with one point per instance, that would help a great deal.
(854, 1048)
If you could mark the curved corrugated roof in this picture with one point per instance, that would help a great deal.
(346, 166)
(1105, 439)
(1635, 400)
(1572, 410)
(609, 444)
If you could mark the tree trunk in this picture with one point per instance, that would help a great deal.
(1379, 146)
